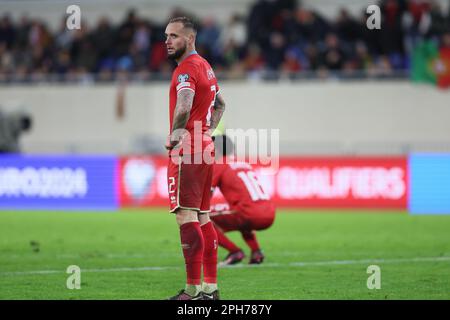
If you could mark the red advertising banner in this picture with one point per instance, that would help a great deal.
(340, 182)
(143, 181)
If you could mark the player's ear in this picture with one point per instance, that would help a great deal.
(191, 37)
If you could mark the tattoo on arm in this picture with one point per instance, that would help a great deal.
(219, 108)
(182, 109)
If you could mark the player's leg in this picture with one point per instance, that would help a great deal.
(223, 224)
(260, 219)
(249, 237)
(192, 244)
(184, 205)
(235, 254)
(225, 242)
(209, 286)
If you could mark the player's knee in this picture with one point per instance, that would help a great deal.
(267, 224)
(184, 216)
(204, 218)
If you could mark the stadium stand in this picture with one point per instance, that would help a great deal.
(270, 38)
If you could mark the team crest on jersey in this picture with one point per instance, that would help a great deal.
(183, 77)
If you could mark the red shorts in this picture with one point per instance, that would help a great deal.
(260, 219)
(189, 185)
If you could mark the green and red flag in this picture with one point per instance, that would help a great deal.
(431, 64)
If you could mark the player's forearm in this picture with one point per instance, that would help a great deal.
(180, 119)
(215, 119)
(218, 110)
(182, 111)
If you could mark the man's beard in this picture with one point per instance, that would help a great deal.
(178, 53)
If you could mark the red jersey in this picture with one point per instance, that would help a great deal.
(240, 186)
(194, 73)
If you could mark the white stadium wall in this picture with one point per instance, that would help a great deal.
(314, 118)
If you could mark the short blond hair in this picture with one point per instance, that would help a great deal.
(186, 22)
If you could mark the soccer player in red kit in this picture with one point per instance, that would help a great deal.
(196, 107)
(248, 209)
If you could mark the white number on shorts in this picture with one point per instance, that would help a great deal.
(171, 184)
(208, 116)
(254, 188)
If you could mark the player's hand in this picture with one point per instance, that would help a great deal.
(210, 132)
(170, 143)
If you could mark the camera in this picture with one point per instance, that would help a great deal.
(12, 125)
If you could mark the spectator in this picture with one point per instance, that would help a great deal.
(103, 37)
(275, 53)
(291, 64)
(232, 43)
(333, 55)
(7, 32)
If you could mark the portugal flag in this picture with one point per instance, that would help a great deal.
(431, 64)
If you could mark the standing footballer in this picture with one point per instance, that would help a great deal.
(195, 111)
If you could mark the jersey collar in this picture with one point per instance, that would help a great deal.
(190, 54)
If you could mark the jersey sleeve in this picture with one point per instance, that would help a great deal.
(186, 77)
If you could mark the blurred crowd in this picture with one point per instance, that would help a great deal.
(276, 37)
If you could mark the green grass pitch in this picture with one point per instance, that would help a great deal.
(135, 254)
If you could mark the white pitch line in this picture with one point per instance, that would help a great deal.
(345, 262)
(342, 262)
(265, 265)
(122, 269)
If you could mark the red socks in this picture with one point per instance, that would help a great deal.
(226, 243)
(210, 253)
(193, 245)
(250, 239)
(199, 245)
